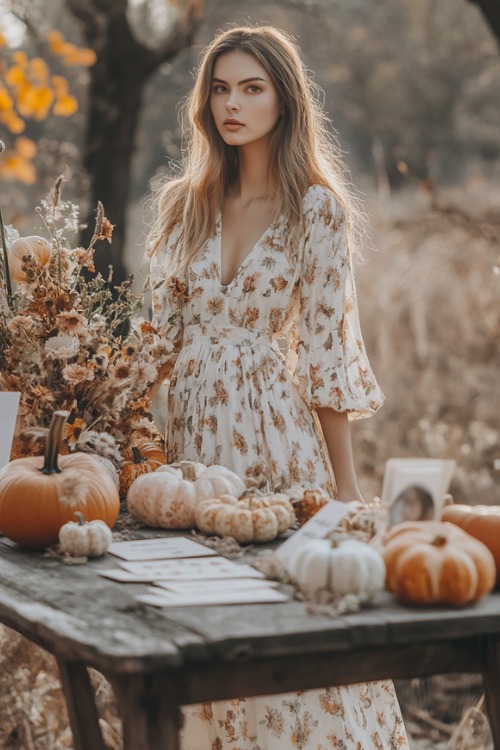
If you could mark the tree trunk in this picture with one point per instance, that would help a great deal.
(115, 95)
(491, 11)
(117, 82)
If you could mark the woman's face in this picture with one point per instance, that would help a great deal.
(244, 101)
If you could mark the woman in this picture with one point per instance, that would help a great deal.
(252, 246)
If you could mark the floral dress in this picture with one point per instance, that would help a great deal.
(253, 360)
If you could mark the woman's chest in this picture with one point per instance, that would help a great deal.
(260, 295)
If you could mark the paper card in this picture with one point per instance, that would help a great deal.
(190, 569)
(9, 404)
(123, 576)
(324, 521)
(214, 586)
(256, 596)
(413, 488)
(160, 548)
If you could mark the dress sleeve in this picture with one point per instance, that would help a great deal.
(327, 355)
(167, 296)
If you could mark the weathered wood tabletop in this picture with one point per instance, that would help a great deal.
(160, 659)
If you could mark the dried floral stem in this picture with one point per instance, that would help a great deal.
(8, 282)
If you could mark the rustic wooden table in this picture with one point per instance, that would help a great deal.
(160, 659)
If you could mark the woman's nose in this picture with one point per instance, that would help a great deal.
(232, 104)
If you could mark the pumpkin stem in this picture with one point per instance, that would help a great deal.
(439, 540)
(81, 518)
(53, 445)
(188, 469)
(138, 457)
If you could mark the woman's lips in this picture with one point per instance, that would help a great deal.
(233, 125)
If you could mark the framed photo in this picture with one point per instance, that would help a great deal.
(9, 404)
(414, 488)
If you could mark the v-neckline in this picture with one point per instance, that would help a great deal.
(247, 257)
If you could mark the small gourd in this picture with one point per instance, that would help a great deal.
(138, 460)
(308, 503)
(344, 567)
(167, 497)
(433, 562)
(250, 518)
(32, 247)
(33, 506)
(82, 539)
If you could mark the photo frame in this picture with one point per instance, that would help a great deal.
(414, 488)
(9, 405)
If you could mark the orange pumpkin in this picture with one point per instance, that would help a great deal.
(429, 562)
(138, 460)
(308, 504)
(481, 522)
(33, 247)
(39, 494)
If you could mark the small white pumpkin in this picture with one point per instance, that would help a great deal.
(346, 567)
(248, 519)
(167, 497)
(82, 539)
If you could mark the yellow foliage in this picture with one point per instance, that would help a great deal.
(25, 147)
(38, 69)
(29, 91)
(65, 106)
(6, 102)
(16, 164)
(15, 76)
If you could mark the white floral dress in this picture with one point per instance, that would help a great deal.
(236, 399)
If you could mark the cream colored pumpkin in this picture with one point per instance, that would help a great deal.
(346, 567)
(82, 539)
(34, 247)
(167, 497)
(250, 518)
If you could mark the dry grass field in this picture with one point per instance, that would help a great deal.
(429, 306)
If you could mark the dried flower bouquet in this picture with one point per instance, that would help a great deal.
(69, 340)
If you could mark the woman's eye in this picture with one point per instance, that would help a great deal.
(254, 89)
(218, 89)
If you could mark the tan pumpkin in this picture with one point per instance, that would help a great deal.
(167, 497)
(481, 522)
(32, 247)
(82, 539)
(251, 518)
(308, 504)
(432, 562)
(139, 459)
(39, 494)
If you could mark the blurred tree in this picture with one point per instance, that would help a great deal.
(131, 41)
(491, 11)
(30, 89)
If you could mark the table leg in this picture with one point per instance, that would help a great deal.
(151, 717)
(80, 701)
(491, 677)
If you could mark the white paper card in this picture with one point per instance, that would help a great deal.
(9, 404)
(161, 548)
(257, 596)
(324, 521)
(413, 488)
(215, 585)
(190, 569)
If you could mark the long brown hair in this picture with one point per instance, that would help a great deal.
(302, 150)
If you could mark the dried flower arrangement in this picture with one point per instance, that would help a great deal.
(68, 340)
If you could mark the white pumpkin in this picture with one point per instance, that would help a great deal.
(167, 497)
(248, 519)
(347, 567)
(82, 539)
